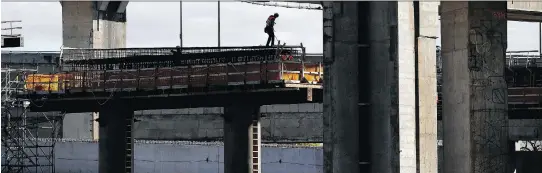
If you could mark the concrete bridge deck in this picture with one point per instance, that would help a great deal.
(168, 78)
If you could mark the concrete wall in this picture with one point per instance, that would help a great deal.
(187, 157)
(178, 157)
(298, 122)
(282, 123)
(77, 126)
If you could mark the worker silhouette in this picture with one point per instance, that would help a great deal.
(270, 30)
(177, 51)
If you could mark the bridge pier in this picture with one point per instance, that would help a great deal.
(115, 137)
(242, 137)
(474, 115)
(340, 117)
(92, 24)
(389, 47)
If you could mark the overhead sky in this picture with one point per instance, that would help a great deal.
(156, 24)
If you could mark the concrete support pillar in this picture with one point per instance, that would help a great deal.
(393, 86)
(115, 141)
(474, 88)
(426, 15)
(382, 44)
(91, 24)
(341, 134)
(95, 126)
(242, 144)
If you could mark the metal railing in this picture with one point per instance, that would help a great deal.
(530, 58)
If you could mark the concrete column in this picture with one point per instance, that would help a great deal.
(238, 139)
(474, 88)
(426, 14)
(393, 101)
(341, 134)
(91, 24)
(115, 141)
(95, 126)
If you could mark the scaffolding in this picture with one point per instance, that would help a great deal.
(9, 37)
(28, 138)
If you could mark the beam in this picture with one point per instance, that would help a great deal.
(527, 6)
(122, 7)
(524, 11)
(102, 5)
(525, 16)
(176, 101)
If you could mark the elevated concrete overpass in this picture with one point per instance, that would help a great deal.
(525, 11)
(402, 31)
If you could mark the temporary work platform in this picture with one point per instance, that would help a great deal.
(201, 68)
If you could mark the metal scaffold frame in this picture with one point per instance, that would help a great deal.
(24, 146)
(9, 37)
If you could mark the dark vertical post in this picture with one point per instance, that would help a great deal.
(238, 139)
(364, 83)
(116, 142)
(181, 23)
(328, 57)
(218, 23)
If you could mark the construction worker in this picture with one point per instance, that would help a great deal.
(269, 24)
(177, 50)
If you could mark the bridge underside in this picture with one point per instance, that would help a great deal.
(524, 11)
(89, 102)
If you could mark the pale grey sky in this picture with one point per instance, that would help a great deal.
(155, 24)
